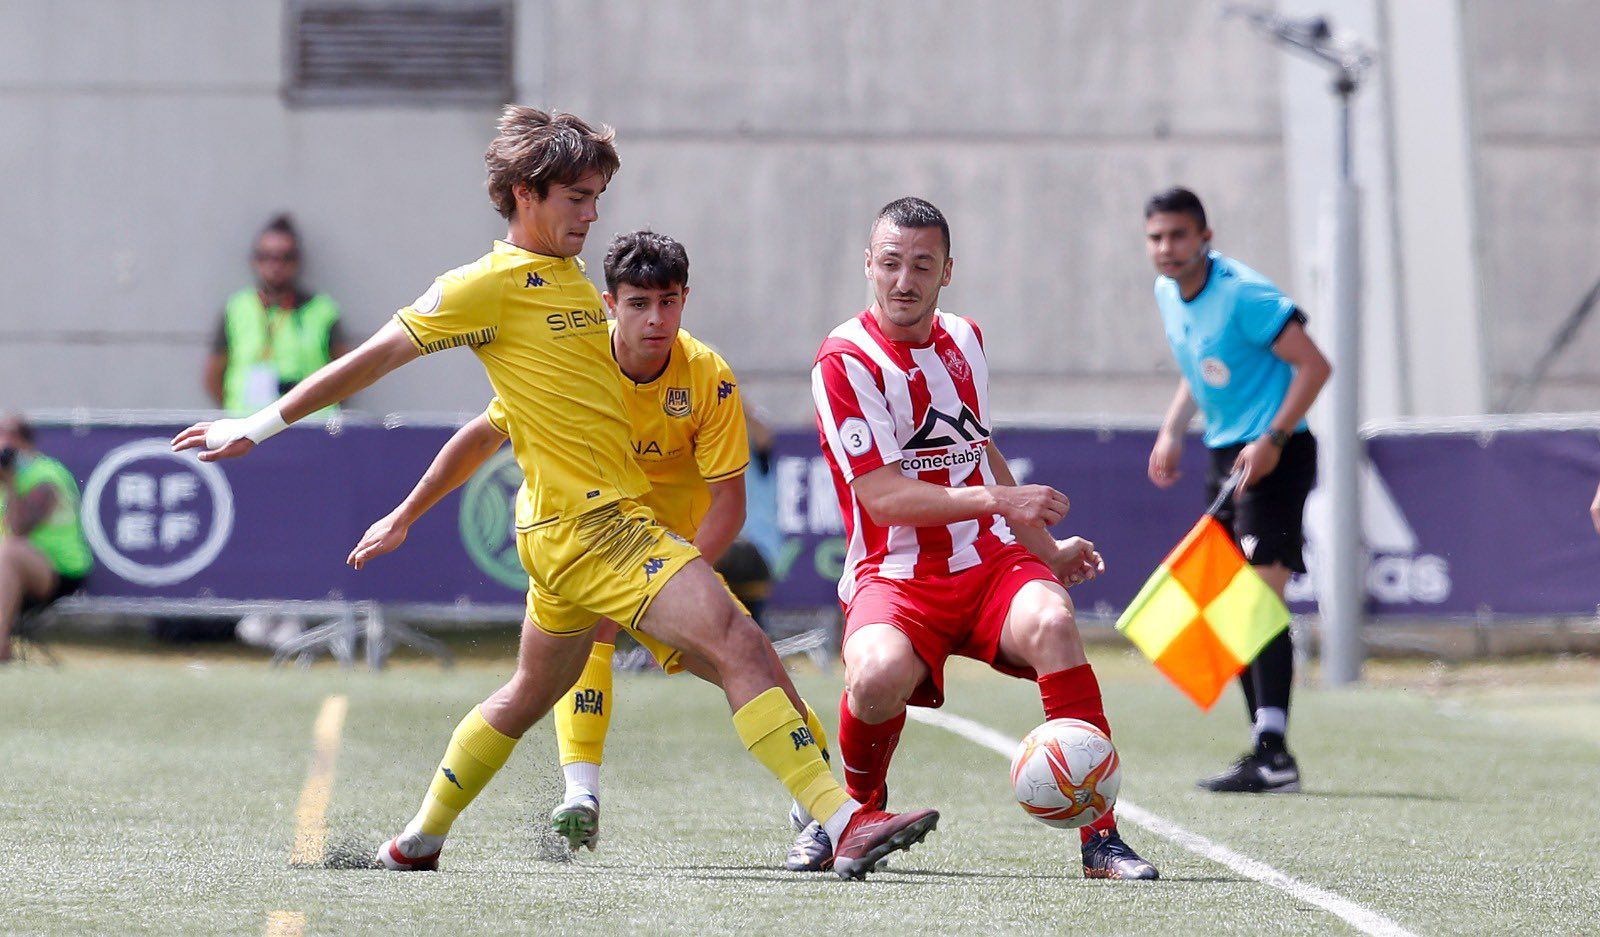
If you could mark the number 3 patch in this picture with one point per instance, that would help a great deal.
(857, 436)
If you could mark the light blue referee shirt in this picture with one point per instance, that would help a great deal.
(1223, 342)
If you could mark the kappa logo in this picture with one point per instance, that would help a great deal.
(652, 566)
(964, 427)
(802, 737)
(725, 390)
(535, 280)
(589, 700)
(451, 777)
(676, 402)
(956, 365)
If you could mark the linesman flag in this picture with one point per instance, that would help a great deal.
(1205, 614)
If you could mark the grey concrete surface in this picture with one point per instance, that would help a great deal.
(146, 140)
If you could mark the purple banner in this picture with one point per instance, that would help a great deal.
(279, 524)
(1459, 524)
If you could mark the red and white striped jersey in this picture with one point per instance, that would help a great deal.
(924, 408)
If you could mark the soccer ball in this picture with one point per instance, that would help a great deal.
(1066, 773)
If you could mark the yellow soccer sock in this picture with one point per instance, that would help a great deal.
(817, 731)
(583, 717)
(778, 738)
(798, 813)
(477, 750)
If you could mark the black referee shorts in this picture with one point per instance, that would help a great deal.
(1268, 519)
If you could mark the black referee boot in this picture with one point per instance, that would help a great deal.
(1269, 769)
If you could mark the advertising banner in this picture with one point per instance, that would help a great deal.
(1459, 524)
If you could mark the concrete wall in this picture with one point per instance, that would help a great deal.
(150, 140)
(1535, 83)
(142, 142)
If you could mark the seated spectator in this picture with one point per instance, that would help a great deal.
(43, 555)
(273, 335)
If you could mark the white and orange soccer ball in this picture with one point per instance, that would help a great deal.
(1066, 773)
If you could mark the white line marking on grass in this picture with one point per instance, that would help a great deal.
(1362, 919)
(286, 924)
(311, 816)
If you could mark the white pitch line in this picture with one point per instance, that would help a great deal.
(1363, 919)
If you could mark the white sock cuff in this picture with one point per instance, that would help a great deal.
(1271, 719)
(583, 777)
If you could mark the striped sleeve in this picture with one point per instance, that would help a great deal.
(853, 416)
(462, 307)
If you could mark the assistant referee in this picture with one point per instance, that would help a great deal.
(1250, 368)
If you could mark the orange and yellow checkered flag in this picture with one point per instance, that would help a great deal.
(1205, 614)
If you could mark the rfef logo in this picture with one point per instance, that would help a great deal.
(154, 517)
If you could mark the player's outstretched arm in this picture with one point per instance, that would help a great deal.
(387, 349)
(1168, 450)
(896, 499)
(469, 448)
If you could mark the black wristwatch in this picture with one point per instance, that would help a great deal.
(1277, 437)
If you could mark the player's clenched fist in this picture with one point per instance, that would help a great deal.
(1032, 505)
(1076, 561)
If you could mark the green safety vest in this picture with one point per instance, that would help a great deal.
(59, 537)
(294, 342)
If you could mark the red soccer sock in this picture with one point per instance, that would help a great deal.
(1074, 693)
(866, 750)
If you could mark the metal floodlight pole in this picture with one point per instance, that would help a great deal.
(1342, 595)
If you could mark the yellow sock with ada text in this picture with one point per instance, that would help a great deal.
(778, 738)
(583, 716)
(476, 751)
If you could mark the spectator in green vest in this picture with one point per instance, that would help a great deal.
(43, 555)
(274, 335)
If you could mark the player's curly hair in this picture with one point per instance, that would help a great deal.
(543, 149)
(646, 260)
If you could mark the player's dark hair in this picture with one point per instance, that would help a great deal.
(541, 150)
(646, 260)
(1177, 200)
(913, 212)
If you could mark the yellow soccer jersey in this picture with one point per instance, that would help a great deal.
(687, 428)
(538, 326)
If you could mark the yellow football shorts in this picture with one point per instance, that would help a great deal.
(610, 562)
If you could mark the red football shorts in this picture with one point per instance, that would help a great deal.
(957, 614)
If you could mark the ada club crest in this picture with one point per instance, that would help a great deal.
(956, 365)
(676, 402)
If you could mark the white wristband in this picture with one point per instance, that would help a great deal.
(258, 428)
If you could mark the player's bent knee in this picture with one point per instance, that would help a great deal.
(1056, 623)
(879, 682)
